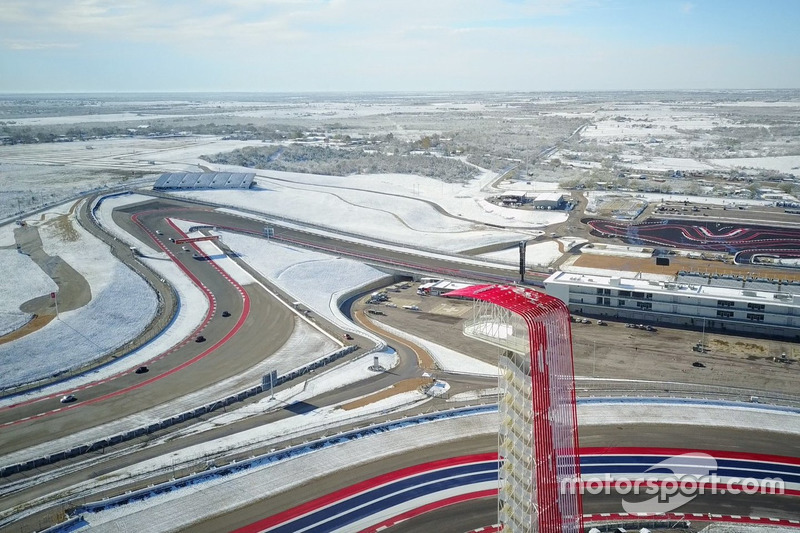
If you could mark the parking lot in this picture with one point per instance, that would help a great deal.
(613, 351)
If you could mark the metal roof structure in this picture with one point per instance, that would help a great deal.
(204, 180)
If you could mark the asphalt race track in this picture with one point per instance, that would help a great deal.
(259, 325)
(482, 513)
(745, 241)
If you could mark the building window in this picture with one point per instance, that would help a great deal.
(599, 300)
(757, 317)
(649, 295)
(755, 307)
(607, 292)
(606, 301)
(725, 314)
(725, 303)
(620, 302)
(624, 293)
(644, 305)
(637, 294)
(599, 291)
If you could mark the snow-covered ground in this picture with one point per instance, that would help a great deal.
(446, 359)
(317, 280)
(105, 206)
(396, 207)
(22, 280)
(7, 234)
(540, 254)
(592, 196)
(790, 164)
(76, 337)
(617, 250)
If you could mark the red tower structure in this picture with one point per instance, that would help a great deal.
(538, 434)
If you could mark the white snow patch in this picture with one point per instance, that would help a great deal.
(76, 337)
(446, 359)
(22, 280)
(316, 279)
(7, 235)
(537, 254)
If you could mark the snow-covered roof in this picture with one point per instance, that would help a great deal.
(549, 197)
(666, 287)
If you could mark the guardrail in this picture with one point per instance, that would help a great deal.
(175, 419)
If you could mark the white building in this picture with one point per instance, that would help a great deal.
(715, 308)
(549, 200)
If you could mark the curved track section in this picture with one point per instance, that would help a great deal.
(405, 494)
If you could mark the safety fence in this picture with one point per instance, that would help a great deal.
(101, 444)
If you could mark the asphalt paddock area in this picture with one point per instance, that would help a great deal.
(745, 240)
(614, 351)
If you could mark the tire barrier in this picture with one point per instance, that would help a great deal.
(100, 444)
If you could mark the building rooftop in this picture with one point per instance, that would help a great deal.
(676, 287)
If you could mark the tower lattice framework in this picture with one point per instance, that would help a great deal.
(538, 434)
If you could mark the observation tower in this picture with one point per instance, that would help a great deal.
(538, 434)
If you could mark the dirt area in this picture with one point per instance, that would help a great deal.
(407, 385)
(637, 264)
(615, 351)
(36, 323)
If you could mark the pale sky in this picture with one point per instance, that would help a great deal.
(397, 45)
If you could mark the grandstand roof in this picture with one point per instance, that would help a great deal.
(204, 180)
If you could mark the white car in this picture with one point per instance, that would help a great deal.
(69, 398)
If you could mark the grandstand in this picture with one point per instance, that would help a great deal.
(204, 180)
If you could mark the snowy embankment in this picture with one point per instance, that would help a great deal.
(122, 305)
(22, 280)
(540, 254)
(317, 280)
(446, 359)
(182, 508)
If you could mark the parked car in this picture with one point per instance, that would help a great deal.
(348, 336)
(602, 323)
(585, 321)
(698, 364)
(69, 398)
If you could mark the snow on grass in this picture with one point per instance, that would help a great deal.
(421, 226)
(316, 279)
(80, 336)
(663, 164)
(617, 250)
(104, 208)
(790, 164)
(539, 254)
(7, 235)
(121, 307)
(22, 280)
(404, 207)
(446, 359)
